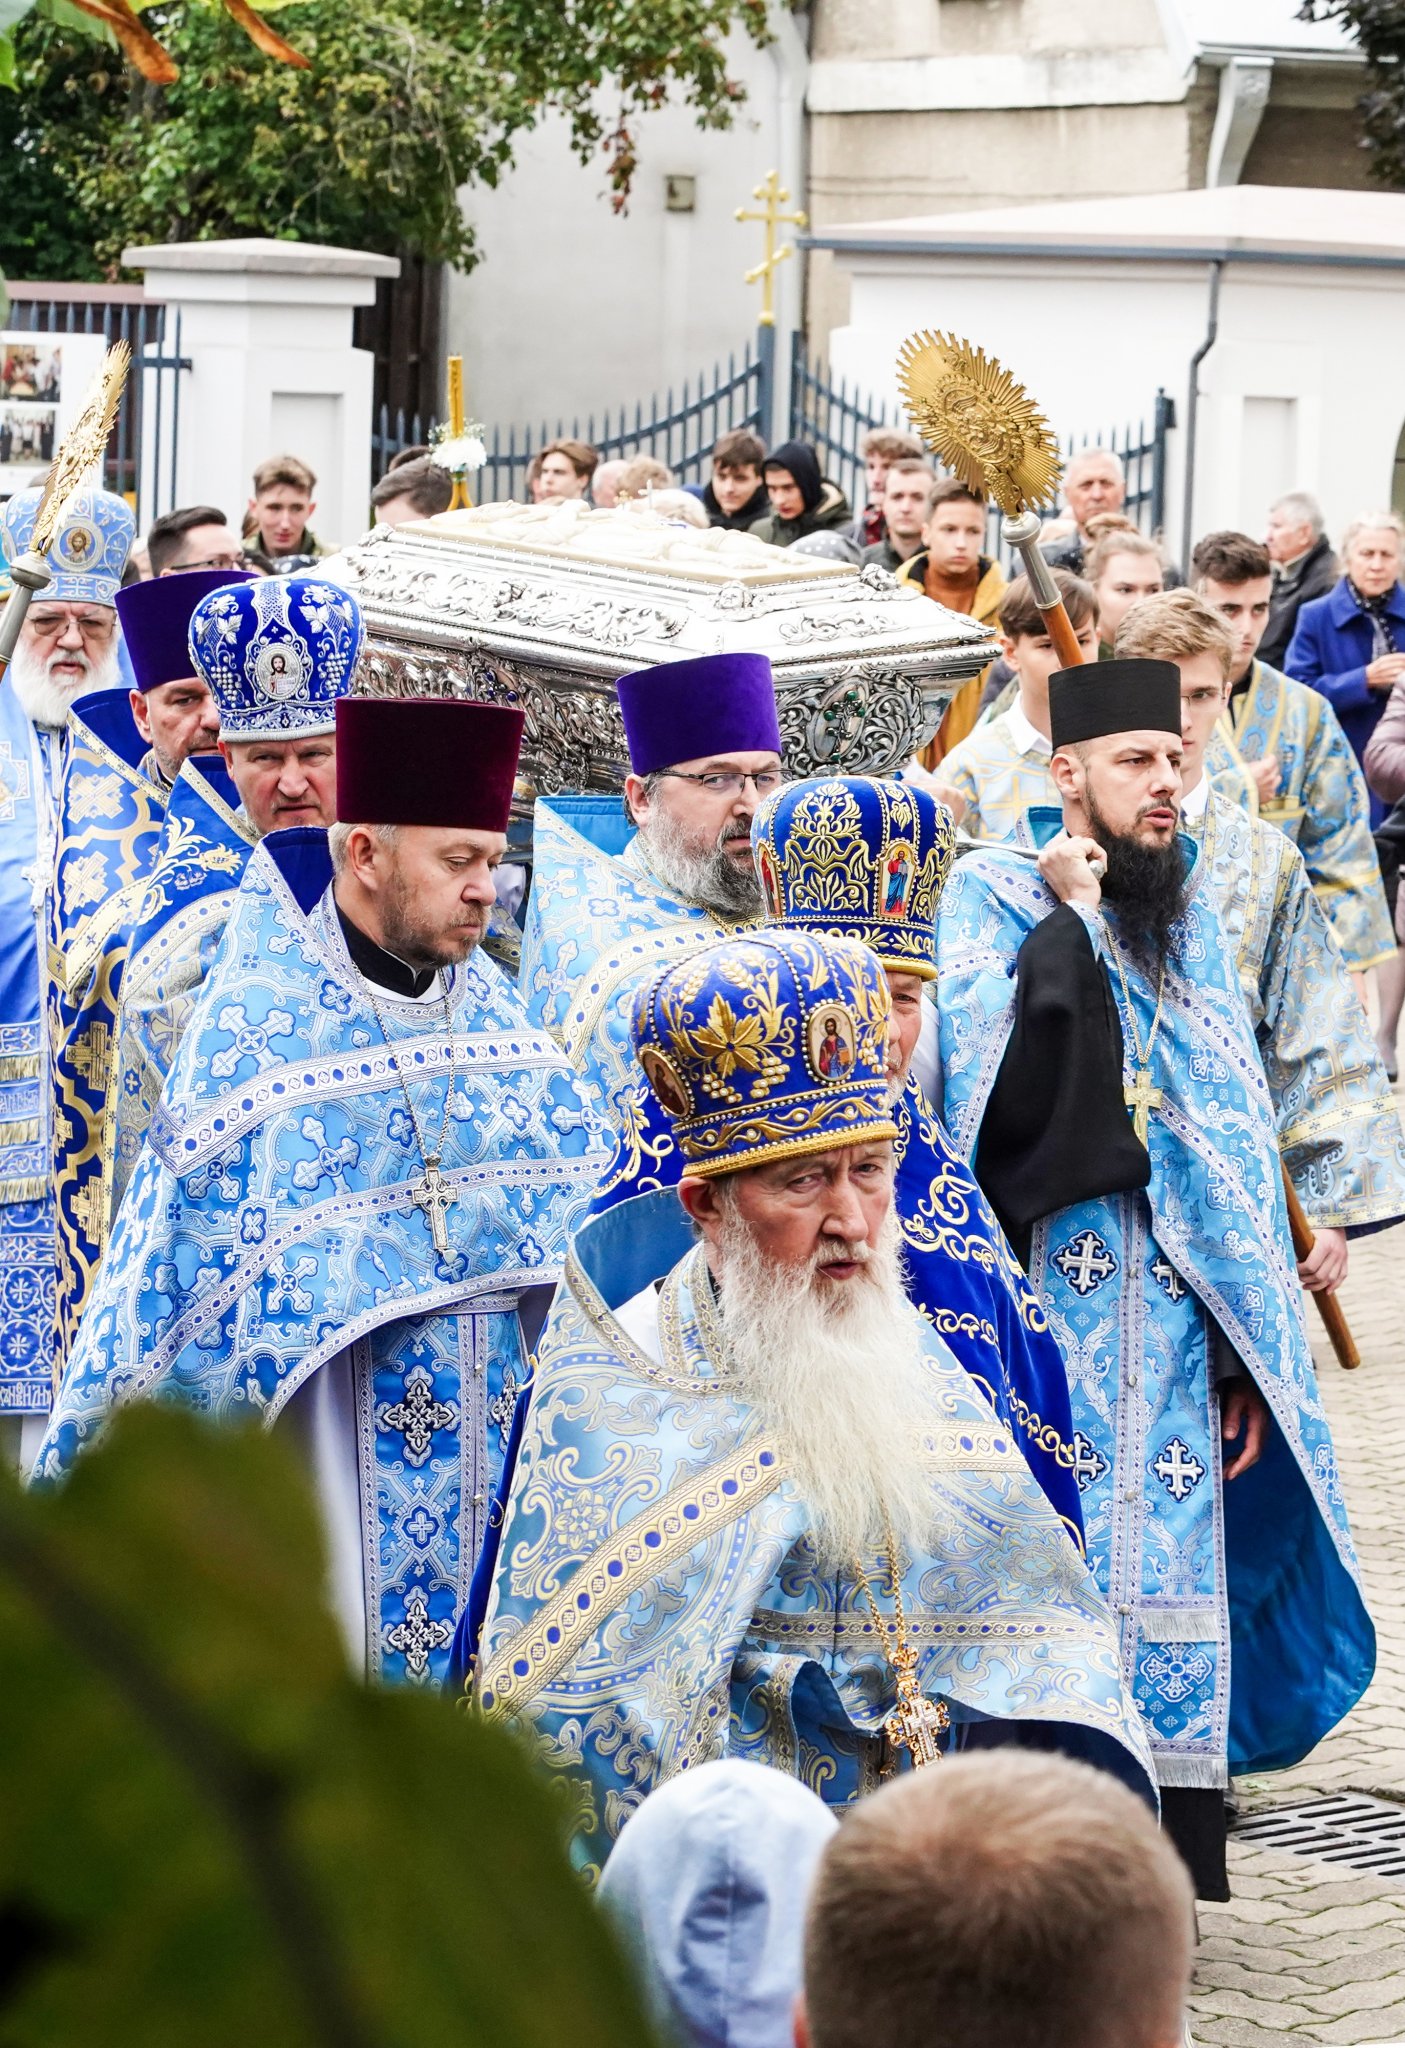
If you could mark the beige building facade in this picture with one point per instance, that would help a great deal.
(921, 107)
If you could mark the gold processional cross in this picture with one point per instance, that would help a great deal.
(774, 196)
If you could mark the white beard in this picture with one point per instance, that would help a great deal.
(835, 1372)
(712, 879)
(47, 701)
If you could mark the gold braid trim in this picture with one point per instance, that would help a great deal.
(20, 1066)
(25, 1130)
(23, 1191)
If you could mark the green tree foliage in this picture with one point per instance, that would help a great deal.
(211, 1834)
(1379, 28)
(403, 103)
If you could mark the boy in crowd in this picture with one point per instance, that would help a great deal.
(905, 495)
(735, 494)
(566, 469)
(880, 447)
(278, 521)
(952, 567)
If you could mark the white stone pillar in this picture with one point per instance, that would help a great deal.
(267, 328)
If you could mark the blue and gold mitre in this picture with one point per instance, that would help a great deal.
(88, 553)
(856, 856)
(767, 1046)
(277, 654)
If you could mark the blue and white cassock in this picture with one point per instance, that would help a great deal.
(1322, 803)
(657, 1603)
(85, 563)
(31, 763)
(205, 845)
(1339, 1130)
(1244, 1634)
(599, 924)
(270, 1256)
(110, 817)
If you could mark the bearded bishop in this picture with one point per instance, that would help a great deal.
(360, 1179)
(1100, 1068)
(759, 1507)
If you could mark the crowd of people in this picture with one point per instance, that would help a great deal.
(800, 1315)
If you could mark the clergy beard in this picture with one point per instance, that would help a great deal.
(1145, 885)
(713, 879)
(43, 697)
(405, 933)
(834, 1370)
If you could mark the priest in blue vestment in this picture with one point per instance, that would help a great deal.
(361, 1176)
(867, 860)
(1099, 1066)
(759, 1508)
(125, 747)
(275, 685)
(623, 885)
(67, 648)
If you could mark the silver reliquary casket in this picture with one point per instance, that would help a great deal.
(544, 606)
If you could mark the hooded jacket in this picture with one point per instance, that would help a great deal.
(708, 1885)
(825, 505)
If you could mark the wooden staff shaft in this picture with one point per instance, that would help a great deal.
(1023, 533)
(1328, 1307)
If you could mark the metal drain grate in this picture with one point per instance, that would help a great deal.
(1349, 1829)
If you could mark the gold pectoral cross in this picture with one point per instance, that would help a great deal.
(1141, 1097)
(432, 1195)
(916, 1724)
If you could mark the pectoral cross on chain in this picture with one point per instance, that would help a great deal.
(1141, 1098)
(916, 1724)
(433, 1196)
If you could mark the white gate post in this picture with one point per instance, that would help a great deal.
(267, 329)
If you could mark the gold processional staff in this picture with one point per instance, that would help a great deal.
(80, 450)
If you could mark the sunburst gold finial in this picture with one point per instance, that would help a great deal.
(82, 446)
(977, 419)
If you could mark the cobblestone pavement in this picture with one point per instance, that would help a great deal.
(1305, 1948)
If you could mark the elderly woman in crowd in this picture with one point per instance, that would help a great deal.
(1350, 645)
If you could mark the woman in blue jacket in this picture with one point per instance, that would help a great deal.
(1350, 645)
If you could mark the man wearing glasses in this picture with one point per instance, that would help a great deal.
(194, 537)
(67, 649)
(618, 892)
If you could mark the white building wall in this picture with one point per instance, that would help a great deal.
(573, 308)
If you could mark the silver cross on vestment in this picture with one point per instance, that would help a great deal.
(433, 1196)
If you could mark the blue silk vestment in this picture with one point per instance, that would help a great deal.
(1322, 802)
(598, 924)
(31, 762)
(109, 826)
(270, 1232)
(1244, 1634)
(205, 845)
(656, 1601)
(959, 1271)
(1339, 1130)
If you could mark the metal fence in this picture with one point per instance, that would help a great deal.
(677, 428)
(141, 455)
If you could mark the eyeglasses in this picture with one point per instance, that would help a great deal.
(729, 781)
(50, 625)
(239, 561)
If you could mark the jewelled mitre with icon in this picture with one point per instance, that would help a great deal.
(767, 1047)
(89, 551)
(860, 857)
(277, 653)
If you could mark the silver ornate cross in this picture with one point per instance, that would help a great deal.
(433, 1196)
